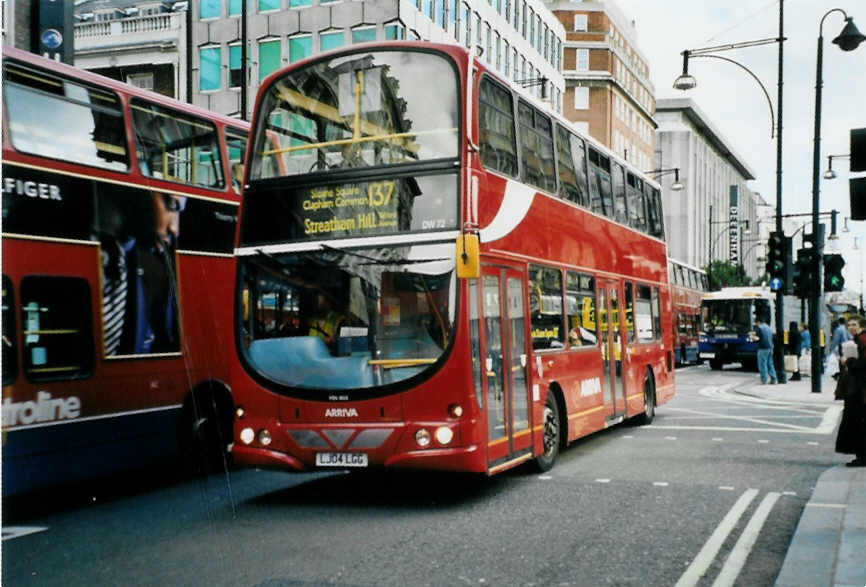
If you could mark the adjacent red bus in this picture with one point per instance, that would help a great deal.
(119, 216)
(688, 286)
(371, 332)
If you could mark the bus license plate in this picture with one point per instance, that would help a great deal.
(708, 355)
(341, 459)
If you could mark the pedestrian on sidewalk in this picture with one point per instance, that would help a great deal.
(765, 351)
(852, 430)
(840, 335)
(805, 339)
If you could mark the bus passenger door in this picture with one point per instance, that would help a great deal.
(505, 365)
(612, 350)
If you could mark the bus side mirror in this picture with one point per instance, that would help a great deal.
(468, 260)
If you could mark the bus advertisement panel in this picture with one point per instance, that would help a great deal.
(371, 331)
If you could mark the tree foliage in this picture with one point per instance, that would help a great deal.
(725, 274)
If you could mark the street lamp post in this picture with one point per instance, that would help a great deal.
(687, 82)
(848, 40)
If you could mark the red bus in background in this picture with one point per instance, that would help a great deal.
(688, 286)
(371, 331)
(119, 215)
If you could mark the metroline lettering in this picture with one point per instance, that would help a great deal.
(44, 409)
(33, 189)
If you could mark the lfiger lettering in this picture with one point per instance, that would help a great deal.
(33, 189)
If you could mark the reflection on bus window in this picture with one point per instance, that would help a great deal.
(360, 110)
(342, 319)
(177, 147)
(496, 128)
(580, 309)
(629, 311)
(545, 304)
(643, 313)
(536, 147)
(236, 145)
(55, 325)
(39, 104)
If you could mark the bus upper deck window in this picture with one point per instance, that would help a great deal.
(38, 103)
(175, 146)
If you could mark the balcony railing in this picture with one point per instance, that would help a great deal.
(126, 26)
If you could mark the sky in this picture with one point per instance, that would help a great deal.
(735, 104)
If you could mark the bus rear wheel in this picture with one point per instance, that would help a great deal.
(552, 435)
(716, 365)
(649, 400)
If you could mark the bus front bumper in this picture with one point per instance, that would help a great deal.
(465, 458)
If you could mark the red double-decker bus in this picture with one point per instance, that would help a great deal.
(688, 286)
(434, 271)
(119, 217)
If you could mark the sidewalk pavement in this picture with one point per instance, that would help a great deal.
(829, 545)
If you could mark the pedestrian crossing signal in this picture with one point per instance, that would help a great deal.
(833, 280)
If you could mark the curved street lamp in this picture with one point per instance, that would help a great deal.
(676, 186)
(848, 40)
(686, 82)
(830, 174)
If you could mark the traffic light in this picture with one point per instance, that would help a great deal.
(804, 275)
(779, 265)
(858, 149)
(833, 280)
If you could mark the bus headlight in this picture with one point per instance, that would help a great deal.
(264, 437)
(444, 435)
(247, 435)
(422, 437)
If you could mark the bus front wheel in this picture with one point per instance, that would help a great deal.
(552, 435)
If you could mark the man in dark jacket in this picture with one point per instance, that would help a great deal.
(852, 429)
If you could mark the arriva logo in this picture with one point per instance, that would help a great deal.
(44, 409)
(341, 413)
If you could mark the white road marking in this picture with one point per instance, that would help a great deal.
(763, 442)
(827, 505)
(545, 477)
(741, 429)
(708, 553)
(731, 570)
(790, 493)
(10, 532)
(660, 483)
(602, 480)
(747, 419)
(670, 437)
(813, 443)
(726, 487)
(718, 439)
